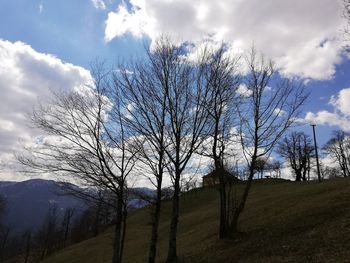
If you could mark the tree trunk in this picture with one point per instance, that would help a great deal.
(304, 175)
(346, 161)
(4, 243)
(155, 224)
(27, 248)
(223, 225)
(97, 218)
(117, 247)
(125, 214)
(223, 215)
(172, 253)
(240, 208)
(298, 175)
(343, 170)
(46, 244)
(66, 230)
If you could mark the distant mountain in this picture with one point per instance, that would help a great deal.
(5, 184)
(28, 202)
(140, 197)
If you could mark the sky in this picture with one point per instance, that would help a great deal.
(47, 45)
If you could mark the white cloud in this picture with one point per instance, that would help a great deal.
(99, 4)
(301, 36)
(341, 101)
(340, 117)
(124, 70)
(41, 8)
(279, 112)
(311, 60)
(243, 90)
(328, 118)
(122, 21)
(26, 75)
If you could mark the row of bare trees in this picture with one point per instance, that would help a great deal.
(4, 230)
(60, 228)
(176, 106)
(153, 116)
(298, 150)
(165, 98)
(32, 247)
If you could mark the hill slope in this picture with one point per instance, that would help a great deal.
(283, 222)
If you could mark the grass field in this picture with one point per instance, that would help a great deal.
(283, 222)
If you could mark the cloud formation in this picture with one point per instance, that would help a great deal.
(25, 76)
(340, 117)
(99, 4)
(301, 36)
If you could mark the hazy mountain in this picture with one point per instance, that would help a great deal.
(28, 202)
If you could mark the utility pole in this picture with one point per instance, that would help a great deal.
(318, 164)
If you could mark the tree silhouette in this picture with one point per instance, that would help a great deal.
(338, 147)
(85, 139)
(297, 149)
(265, 115)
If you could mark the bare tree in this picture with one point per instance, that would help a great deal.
(82, 226)
(260, 166)
(99, 204)
(186, 124)
(275, 167)
(4, 230)
(265, 115)
(27, 245)
(330, 172)
(99, 201)
(2, 205)
(47, 236)
(297, 149)
(165, 97)
(145, 87)
(220, 71)
(188, 183)
(4, 239)
(66, 224)
(338, 147)
(86, 140)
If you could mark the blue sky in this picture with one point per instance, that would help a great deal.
(71, 30)
(48, 44)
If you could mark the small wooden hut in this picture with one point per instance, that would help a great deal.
(212, 178)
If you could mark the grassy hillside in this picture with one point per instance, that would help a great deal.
(283, 222)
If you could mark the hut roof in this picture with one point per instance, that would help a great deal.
(216, 173)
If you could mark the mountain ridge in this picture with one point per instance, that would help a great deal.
(28, 202)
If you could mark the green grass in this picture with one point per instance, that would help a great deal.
(283, 222)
